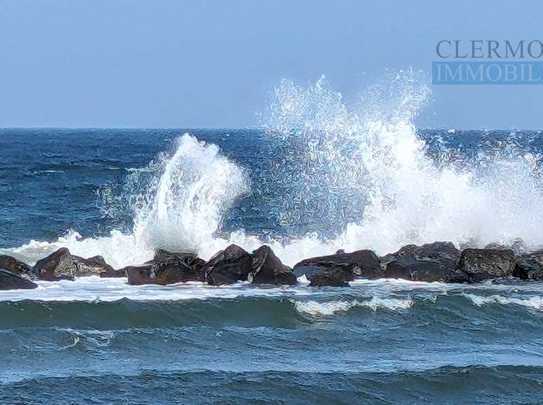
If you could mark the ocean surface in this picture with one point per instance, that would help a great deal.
(306, 185)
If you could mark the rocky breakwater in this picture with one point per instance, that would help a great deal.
(432, 262)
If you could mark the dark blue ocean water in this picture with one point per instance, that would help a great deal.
(96, 341)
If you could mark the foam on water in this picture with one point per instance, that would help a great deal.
(332, 307)
(95, 289)
(366, 155)
(535, 302)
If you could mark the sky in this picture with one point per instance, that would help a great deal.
(214, 64)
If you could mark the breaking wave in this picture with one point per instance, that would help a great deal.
(332, 307)
(535, 302)
(358, 174)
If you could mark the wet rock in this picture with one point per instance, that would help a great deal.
(517, 246)
(330, 278)
(166, 268)
(62, 265)
(307, 271)
(361, 263)
(12, 281)
(58, 265)
(139, 275)
(15, 266)
(228, 266)
(529, 266)
(429, 262)
(93, 266)
(268, 269)
(484, 264)
(496, 245)
(444, 252)
(113, 273)
(428, 271)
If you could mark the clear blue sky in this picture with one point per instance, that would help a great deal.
(166, 63)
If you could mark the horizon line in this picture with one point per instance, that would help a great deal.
(241, 128)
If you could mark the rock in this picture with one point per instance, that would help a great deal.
(139, 275)
(113, 273)
(93, 266)
(428, 271)
(430, 262)
(307, 271)
(15, 266)
(62, 265)
(57, 266)
(444, 252)
(268, 269)
(484, 264)
(361, 263)
(517, 246)
(496, 245)
(330, 278)
(338, 276)
(166, 268)
(529, 266)
(12, 281)
(228, 266)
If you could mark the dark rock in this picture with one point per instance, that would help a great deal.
(228, 266)
(268, 269)
(15, 266)
(330, 278)
(138, 275)
(529, 266)
(62, 265)
(428, 271)
(57, 266)
(166, 268)
(113, 273)
(12, 281)
(484, 264)
(496, 245)
(307, 271)
(517, 246)
(361, 263)
(165, 274)
(430, 262)
(443, 252)
(93, 266)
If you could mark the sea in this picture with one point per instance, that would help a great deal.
(319, 176)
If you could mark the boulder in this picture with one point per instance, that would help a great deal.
(228, 266)
(62, 265)
(361, 263)
(517, 246)
(268, 269)
(330, 278)
(12, 281)
(15, 266)
(443, 252)
(113, 273)
(307, 271)
(93, 266)
(57, 266)
(166, 268)
(529, 266)
(484, 264)
(428, 271)
(429, 262)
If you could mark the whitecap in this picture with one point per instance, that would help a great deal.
(315, 308)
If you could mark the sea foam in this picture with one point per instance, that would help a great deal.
(332, 307)
(535, 302)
